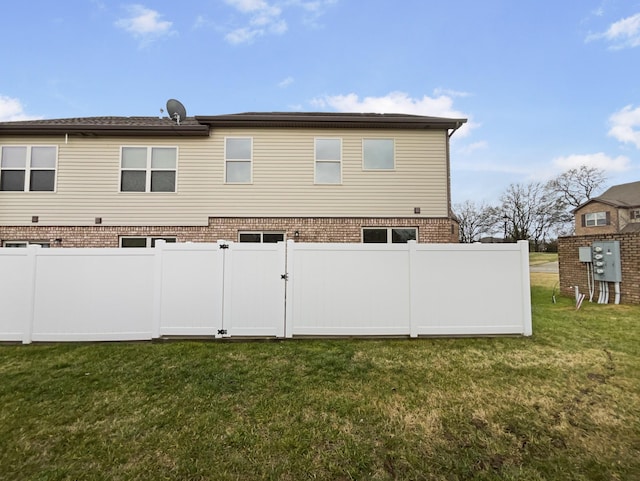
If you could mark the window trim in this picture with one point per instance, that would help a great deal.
(326, 161)
(393, 159)
(28, 168)
(389, 233)
(149, 239)
(227, 160)
(261, 233)
(43, 244)
(148, 169)
(596, 217)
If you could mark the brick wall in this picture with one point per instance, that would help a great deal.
(309, 230)
(574, 273)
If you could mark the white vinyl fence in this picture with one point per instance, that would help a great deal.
(264, 290)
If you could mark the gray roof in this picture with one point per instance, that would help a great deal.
(200, 125)
(622, 195)
(106, 126)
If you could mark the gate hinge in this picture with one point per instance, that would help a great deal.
(222, 332)
(284, 276)
(224, 246)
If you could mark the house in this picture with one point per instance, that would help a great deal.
(617, 210)
(248, 177)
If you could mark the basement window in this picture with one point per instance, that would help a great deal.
(389, 235)
(143, 241)
(261, 237)
(22, 244)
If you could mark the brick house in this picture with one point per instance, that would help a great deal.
(615, 211)
(250, 177)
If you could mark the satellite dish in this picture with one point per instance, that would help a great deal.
(176, 110)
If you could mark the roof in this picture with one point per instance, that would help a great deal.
(330, 120)
(621, 195)
(200, 125)
(113, 126)
(624, 195)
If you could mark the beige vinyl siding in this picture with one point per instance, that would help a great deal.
(88, 180)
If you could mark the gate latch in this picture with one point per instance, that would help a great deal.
(284, 276)
(224, 246)
(222, 332)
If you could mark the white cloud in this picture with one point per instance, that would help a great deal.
(625, 125)
(286, 82)
(267, 17)
(264, 18)
(473, 147)
(622, 34)
(598, 160)
(144, 24)
(396, 102)
(11, 109)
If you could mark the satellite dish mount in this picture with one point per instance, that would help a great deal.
(176, 110)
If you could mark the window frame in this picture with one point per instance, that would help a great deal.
(389, 234)
(43, 244)
(393, 155)
(592, 219)
(149, 240)
(149, 169)
(28, 169)
(262, 234)
(227, 160)
(326, 161)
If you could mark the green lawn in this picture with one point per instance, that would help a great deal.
(562, 405)
(536, 258)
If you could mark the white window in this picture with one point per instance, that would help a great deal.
(20, 243)
(328, 154)
(148, 169)
(143, 241)
(238, 155)
(386, 235)
(378, 154)
(595, 219)
(262, 237)
(28, 168)
(635, 214)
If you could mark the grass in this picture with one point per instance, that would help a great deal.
(561, 405)
(536, 258)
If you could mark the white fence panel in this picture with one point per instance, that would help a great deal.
(16, 287)
(254, 289)
(470, 289)
(348, 289)
(93, 295)
(202, 290)
(191, 277)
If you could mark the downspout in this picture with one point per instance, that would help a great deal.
(451, 216)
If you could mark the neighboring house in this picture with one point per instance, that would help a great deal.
(251, 177)
(615, 211)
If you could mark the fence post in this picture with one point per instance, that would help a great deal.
(156, 315)
(527, 329)
(289, 288)
(32, 256)
(413, 295)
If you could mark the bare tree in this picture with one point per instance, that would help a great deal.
(530, 212)
(475, 220)
(576, 186)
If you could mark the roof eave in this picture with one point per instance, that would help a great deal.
(329, 121)
(107, 130)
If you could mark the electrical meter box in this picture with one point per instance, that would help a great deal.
(606, 261)
(584, 254)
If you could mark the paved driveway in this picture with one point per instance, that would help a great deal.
(551, 267)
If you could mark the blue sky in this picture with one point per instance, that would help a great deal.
(546, 85)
